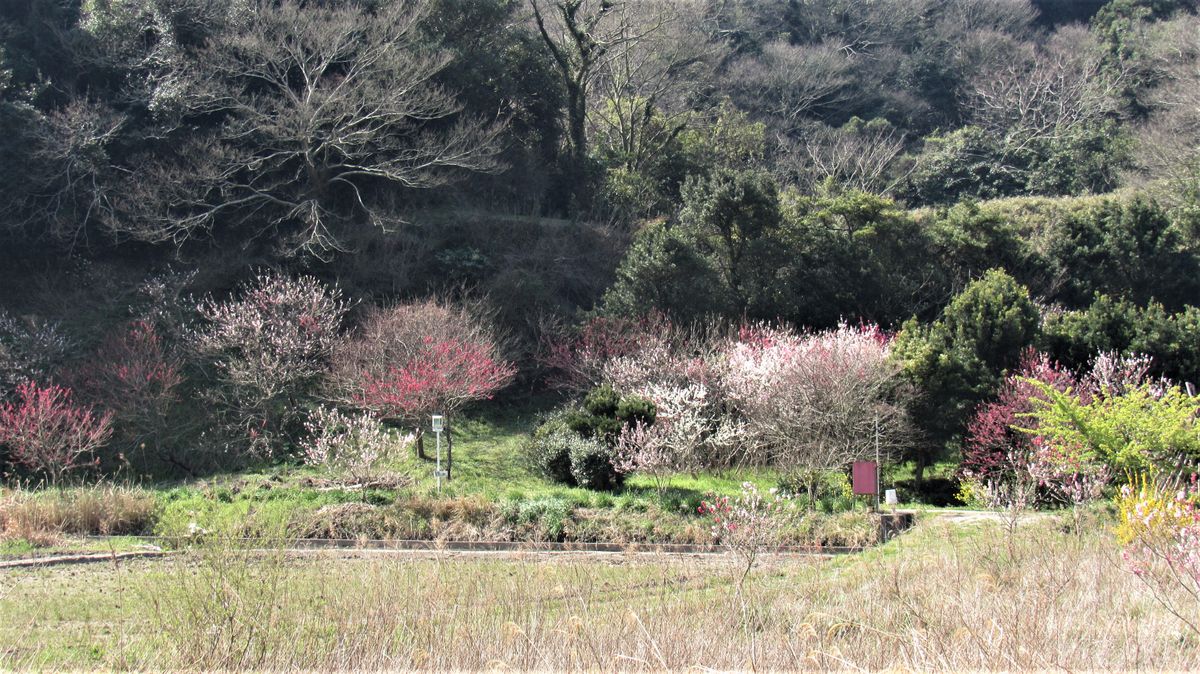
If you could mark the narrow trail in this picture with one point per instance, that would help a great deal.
(438, 550)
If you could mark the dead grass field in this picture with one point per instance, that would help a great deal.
(943, 597)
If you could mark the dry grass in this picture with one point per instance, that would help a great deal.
(43, 517)
(940, 598)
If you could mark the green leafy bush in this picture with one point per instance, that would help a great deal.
(602, 401)
(634, 409)
(592, 465)
(1145, 427)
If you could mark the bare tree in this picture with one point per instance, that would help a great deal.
(66, 170)
(640, 53)
(861, 156)
(1168, 143)
(646, 90)
(323, 108)
(1053, 91)
(791, 82)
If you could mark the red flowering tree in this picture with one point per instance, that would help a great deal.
(993, 437)
(1004, 451)
(49, 434)
(410, 361)
(136, 377)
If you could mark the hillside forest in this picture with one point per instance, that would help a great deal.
(228, 226)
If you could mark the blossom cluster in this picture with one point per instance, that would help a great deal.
(1160, 528)
(750, 521)
(47, 432)
(353, 444)
(436, 377)
(806, 401)
(1003, 442)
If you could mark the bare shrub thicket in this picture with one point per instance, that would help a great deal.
(860, 156)
(1167, 142)
(1046, 94)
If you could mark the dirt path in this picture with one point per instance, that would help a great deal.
(442, 550)
(979, 516)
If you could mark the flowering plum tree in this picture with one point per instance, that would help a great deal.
(269, 348)
(814, 402)
(579, 361)
(28, 350)
(749, 523)
(351, 444)
(134, 376)
(410, 361)
(46, 432)
(686, 436)
(993, 435)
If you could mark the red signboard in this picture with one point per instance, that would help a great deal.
(865, 477)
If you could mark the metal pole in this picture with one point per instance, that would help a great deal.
(439, 462)
(878, 466)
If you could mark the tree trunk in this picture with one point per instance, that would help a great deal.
(420, 444)
(577, 124)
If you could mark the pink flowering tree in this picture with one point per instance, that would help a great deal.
(813, 402)
(408, 362)
(577, 360)
(269, 350)
(48, 433)
(749, 523)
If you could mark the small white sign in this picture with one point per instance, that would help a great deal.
(439, 423)
(890, 497)
(440, 473)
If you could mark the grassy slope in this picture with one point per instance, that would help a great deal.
(492, 496)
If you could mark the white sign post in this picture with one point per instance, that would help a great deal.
(439, 424)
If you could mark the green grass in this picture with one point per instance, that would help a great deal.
(493, 496)
(490, 480)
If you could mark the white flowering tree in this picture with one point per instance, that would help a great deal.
(686, 435)
(351, 445)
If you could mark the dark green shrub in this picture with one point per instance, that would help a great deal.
(593, 426)
(960, 359)
(592, 467)
(602, 401)
(933, 491)
(633, 409)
